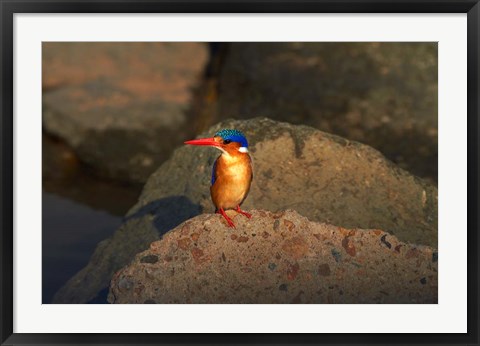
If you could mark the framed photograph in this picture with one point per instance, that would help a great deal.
(252, 172)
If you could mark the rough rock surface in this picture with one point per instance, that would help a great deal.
(380, 94)
(323, 177)
(277, 258)
(123, 108)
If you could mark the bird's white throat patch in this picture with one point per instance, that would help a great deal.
(243, 149)
(222, 150)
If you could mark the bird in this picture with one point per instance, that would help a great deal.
(232, 172)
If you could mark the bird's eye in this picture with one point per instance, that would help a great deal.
(227, 141)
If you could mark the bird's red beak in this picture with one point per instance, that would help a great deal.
(204, 141)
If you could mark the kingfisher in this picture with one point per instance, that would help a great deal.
(232, 171)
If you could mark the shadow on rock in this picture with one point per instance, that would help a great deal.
(151, 221)
(167, 212)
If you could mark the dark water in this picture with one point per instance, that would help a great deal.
(71, 232)
(78, 211)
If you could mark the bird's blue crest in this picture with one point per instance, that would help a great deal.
(234, 136)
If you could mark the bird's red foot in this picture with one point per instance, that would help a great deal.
(229, 221)
(238, 210)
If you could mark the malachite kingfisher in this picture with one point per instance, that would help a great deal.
(232, 171)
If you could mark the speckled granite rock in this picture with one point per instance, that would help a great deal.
(277, 258)
(121, 107)
(323, 177)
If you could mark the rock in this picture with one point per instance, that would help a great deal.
(380, 94)
(293, 264)
(324, 177)
(122, 108)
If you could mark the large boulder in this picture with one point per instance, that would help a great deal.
(321, 176)
(381, 94)
(324, 177)
(123, 108)
(277, 258)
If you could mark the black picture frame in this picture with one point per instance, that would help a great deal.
(10, 7)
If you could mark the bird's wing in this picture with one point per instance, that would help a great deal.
(213, 172)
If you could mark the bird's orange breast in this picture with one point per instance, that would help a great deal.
(233, 176)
